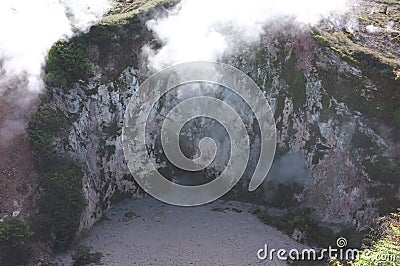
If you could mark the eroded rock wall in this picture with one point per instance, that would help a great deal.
(305, 82)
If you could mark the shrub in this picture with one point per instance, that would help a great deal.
(66, 63)
(387, 174)
(55, 79)
(61, 204)
(14, 237)
(383, 169)
(83, 256)
(43, 125)
(385, 250)
(304, 220)
(284, 195)
(387, 246)
(14, 229)
(41, 142)
(50, 120)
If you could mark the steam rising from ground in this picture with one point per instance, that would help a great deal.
(290, 171)
(27, 31)
(209, 30)
(206, 29)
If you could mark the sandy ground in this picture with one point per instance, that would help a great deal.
(220, 233)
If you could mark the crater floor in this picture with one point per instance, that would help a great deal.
(149, 232)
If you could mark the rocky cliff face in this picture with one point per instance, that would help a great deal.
(337, 111)
(95, 139)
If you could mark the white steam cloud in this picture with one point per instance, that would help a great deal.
(206, 29)
(27, 31)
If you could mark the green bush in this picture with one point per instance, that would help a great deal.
(304, 220)
(14, 238)
(43, 125)
(61, 204)
(284, 195)
(383, 169)
(386, 174)
(14, 229)
(66, 63)
(55, 79)
(83, 256)
(51, 120)
(385, 250)
(41, 142)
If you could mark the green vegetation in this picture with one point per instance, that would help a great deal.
(66, 63)
(14, 229)
(105, 150)
(352, 52)
(124, 14)
(383, 169)
(296, 80)
(353, 90)
(283, 195)
(303, 220)
(61, 204)
(83, 256)
(374, 54)
(241, 195)
(113, 130)
(61, 200)
(43, 126)
(14, 241)
(386, 250)
(321, 38)
(119, 196)
(130, 215)
(315, 233)
(41, 142)
(382, 245)
(386, 175)
(49, 118)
